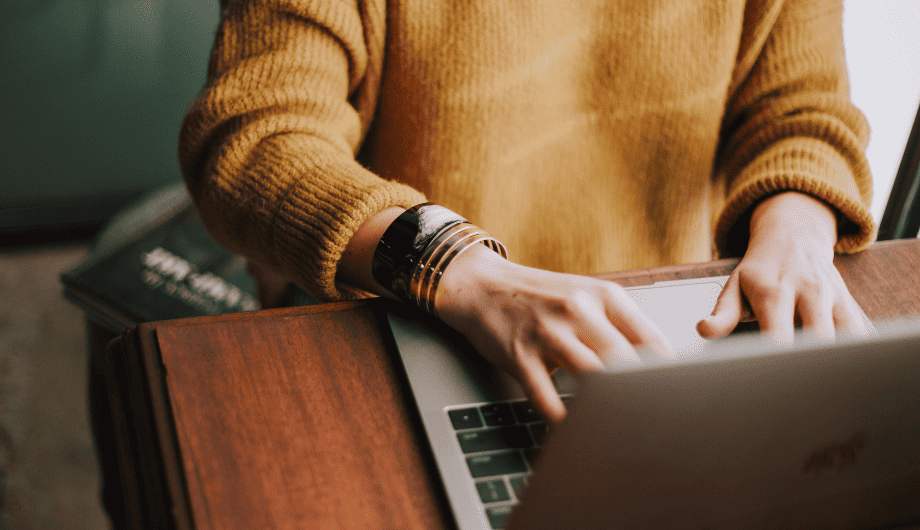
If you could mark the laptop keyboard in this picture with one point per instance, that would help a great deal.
(500, 442)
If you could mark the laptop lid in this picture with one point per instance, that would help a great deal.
(747, 435)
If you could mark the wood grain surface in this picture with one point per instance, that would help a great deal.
(300, 418)
(297, 422)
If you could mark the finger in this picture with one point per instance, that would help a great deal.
(727, 312)
(746, 314)
(620, 353)
(564, 348)
(847, 314)
(538, 385)
(621, 310)
(816, 310)
(849, 318)
(598, 334)
(775, 313)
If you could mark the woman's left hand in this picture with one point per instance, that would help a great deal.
(787, 275)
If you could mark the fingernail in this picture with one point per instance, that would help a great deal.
(702, 327)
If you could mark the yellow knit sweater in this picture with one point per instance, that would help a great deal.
(587, 135)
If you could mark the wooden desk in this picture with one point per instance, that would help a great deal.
(299, 418)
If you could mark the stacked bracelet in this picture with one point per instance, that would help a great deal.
(416, 249)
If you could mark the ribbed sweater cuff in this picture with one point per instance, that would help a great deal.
(320, 214)
(805, 165)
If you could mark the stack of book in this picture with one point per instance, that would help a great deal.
(156, 261)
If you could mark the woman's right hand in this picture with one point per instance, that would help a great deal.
(526, 321)
(529, 322)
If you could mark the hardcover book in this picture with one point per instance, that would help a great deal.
(163, 267)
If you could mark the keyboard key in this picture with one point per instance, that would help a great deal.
(517, 484)
(539, 432)
(496, 464)
(497, 414)
(525, 412)
(498, 515)
(515, 437)
(465, 418)
(492, 491)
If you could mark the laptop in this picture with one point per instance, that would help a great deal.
(487, 441)
(748, 435)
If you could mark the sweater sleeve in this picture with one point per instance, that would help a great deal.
(790, 125)
(268, 148)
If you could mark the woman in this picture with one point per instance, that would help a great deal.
(584, 136)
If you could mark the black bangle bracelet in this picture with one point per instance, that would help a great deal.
(404, 242)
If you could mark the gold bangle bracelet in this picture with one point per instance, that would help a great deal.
(458, 249)
(440, 261)
(434, 250)
(433, 258)
(417, 248)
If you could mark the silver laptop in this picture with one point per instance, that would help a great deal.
(487, 440)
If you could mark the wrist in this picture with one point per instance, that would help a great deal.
(417, 248)
(467, 279)
(798, 213)
(355, 266)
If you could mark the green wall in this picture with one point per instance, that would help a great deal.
(92, 94)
